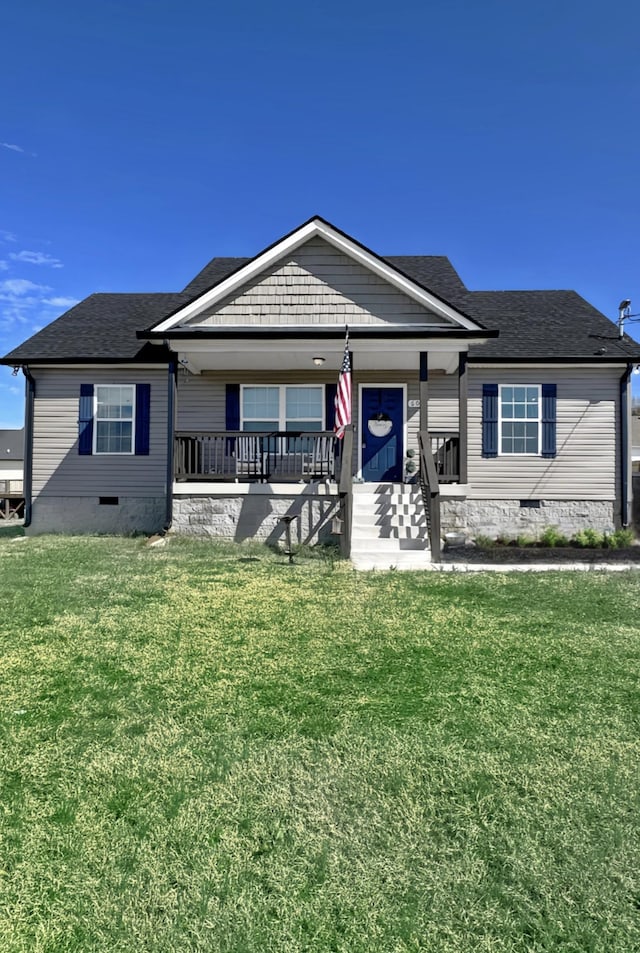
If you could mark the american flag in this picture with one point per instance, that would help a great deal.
(343, 394)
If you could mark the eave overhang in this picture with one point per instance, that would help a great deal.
(336, 332)
(608, 360)
(160, 359)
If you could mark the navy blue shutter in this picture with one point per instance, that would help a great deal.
(330, 391)
(85, 420)
(548, 420)
(489, 420)
(233, 407)
(143, 417)
(232, 413)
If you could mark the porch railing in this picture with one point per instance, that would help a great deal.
(11, 499)
(445, 449)
(288, 455)
(265, 456)
(429, 485)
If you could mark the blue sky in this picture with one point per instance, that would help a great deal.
(139, 138)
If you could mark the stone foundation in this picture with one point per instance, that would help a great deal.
(255, 516)
(65, 514)
(495, 518)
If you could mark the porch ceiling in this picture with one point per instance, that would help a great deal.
(368, 354)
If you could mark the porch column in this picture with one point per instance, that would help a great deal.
(424, 390)
(463, 388)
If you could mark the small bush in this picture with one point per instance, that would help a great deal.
(589, 538)
(551, 536)
(620, 539)
(505, 540)
(485, 542)
(524, 540)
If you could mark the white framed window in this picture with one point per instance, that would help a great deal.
(286, 407)
(520, 418)
(114, 418)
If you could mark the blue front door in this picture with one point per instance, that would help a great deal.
(381, 434)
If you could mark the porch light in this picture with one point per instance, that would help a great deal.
(318, 361)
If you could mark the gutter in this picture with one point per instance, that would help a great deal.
(27, 479)
(625, 410)
(171, 390)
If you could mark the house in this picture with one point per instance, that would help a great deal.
(635, 444)
(11, 472)
(210, 410)
(11, 455)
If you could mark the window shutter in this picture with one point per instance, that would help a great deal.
(233, 407)
(143, 418)
(549, 420)
(489, 420)
(330, 391)
(232, 413)
(85, 420)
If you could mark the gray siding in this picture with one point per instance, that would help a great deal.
(58, 469)
(201, 398)
(317, 284)
(443, 401)
(585, 465)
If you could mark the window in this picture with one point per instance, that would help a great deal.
(282, 407)
(520, 418)
(114, 418)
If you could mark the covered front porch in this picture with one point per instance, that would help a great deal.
(263, 409)
(242, 478)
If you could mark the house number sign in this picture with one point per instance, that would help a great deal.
(414, 403)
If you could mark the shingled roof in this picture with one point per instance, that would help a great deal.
(100, 329)
(532, 325)
(11, 444)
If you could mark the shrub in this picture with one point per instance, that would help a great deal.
(505, 540)
(551, 536)
(523, 540)
(589, 538)
(620, 539)
(485, 542)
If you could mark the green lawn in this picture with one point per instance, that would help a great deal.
(204, 748)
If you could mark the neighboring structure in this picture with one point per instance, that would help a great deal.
(11, 473)
(11, 455)
(211, 409)
(635, 443)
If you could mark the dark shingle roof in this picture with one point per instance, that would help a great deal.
(434, 272)
(533, 325)
(101, 328)
(212, 273)
(11, 445)
(546, 325)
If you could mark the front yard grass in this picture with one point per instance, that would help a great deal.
(206, 749)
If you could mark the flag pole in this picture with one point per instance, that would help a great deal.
(342, 403)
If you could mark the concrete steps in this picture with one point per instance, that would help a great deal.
(389, 527)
